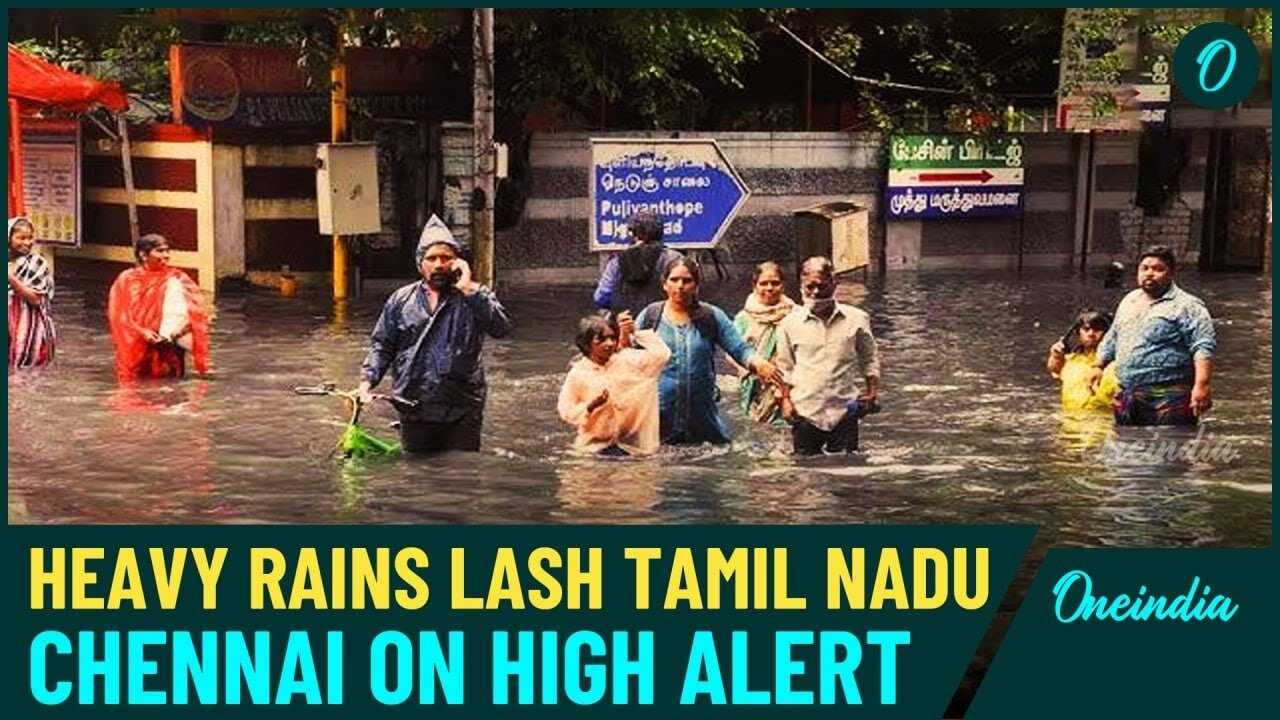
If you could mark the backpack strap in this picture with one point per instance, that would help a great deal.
(650, 316)
(703, 319)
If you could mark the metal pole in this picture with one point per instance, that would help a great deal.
(482, 125)
(1088, 206)
(126, 162)
(1022, 229)
(17, 201)
(338, 118)
(808, 93)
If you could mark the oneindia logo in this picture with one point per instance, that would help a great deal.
(1216, 65)
(1076, 600)
(1162, 448)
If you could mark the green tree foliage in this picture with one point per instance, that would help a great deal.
(643, 60)
(1094, 40)
(134, 51)
(912, 64)
(661, 68)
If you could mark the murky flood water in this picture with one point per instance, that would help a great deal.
(970, 431)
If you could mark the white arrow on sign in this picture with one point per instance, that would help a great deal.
(1152, 93)
(934, 177)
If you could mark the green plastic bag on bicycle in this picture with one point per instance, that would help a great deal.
(356, 442)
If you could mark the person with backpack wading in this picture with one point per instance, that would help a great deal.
(633, 278)
(687, 393)
(430, 334)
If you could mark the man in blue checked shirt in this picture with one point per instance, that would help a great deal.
(1163, 343)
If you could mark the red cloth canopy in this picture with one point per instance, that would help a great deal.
(37, 84)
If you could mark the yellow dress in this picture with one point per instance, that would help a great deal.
(1075, 384)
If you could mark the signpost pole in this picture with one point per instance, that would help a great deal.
(338, 120)
(1086, 238)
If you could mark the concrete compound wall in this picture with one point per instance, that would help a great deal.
(173, 182)
(228, 211)
(784, 171)
(790, 171)
(244, 211)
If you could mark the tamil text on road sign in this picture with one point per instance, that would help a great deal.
(688, 184)
(1120, 82)
(953, 176)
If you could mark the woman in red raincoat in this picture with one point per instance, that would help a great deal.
(157, 316)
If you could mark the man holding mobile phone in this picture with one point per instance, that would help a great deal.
(431, 334)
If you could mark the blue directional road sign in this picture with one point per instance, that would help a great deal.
(689, 184)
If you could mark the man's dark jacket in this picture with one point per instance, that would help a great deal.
(443, 372)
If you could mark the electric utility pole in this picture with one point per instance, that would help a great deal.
(482, 124)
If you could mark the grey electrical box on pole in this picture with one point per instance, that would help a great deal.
(347, 188)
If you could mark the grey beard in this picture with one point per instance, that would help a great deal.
(823, 307)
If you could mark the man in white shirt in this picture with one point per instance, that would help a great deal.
(825, 348)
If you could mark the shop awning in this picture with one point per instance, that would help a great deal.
(37, 85)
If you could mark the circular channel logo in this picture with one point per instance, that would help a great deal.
(1216, 65)
(211, 90)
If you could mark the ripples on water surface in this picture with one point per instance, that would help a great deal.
(970, 431)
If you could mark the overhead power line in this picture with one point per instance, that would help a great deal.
(889, 83)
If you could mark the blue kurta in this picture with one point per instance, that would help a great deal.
(687, 392)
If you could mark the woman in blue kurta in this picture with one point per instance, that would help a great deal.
(687, 392)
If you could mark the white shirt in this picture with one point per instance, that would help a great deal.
(824, 360)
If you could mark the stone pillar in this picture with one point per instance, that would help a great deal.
(1247, 235)
(1172, 227)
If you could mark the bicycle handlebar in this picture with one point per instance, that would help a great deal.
(329, 388)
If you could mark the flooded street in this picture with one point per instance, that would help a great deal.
(970, 430)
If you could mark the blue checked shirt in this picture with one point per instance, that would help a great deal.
(1158, 344)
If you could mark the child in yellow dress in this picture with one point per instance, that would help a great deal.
(1071, 358)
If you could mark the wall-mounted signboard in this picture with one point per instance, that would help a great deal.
(51, 179)
(954, 176)
(689, 184)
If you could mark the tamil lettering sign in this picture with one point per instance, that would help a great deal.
(953, 176)
(51, 179)
(250, 86)
(689, 184)
(1142, 91)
